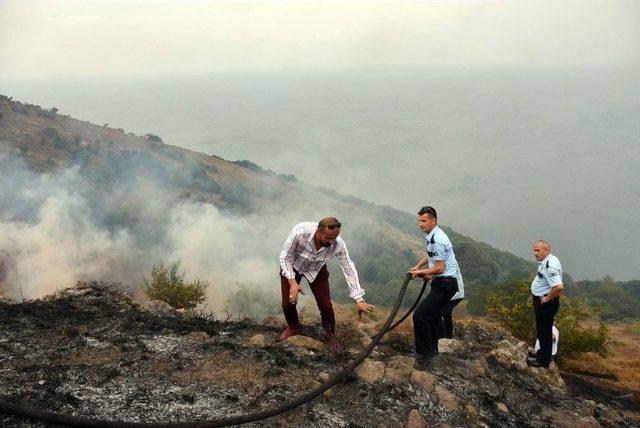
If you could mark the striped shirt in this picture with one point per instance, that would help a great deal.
(300, 255)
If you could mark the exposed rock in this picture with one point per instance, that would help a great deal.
(402, 363)
(479, 367)
(550, 375)
(370, 371)
(450, 401)
(423, 380)
(398, 340)
(501, 407)
(513, 356)
(158, 307)
(522, 346)
(262, 340)
(472, 413)
(509, 356)
(198, 337)
(324, 377)
(305, 342)
(452, 346)
(352, 336)
(396, 376)
(415, 420)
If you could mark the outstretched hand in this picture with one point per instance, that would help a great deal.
(364, 307)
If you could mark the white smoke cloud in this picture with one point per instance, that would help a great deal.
(221, 249)
(56, 230)
(63, 246)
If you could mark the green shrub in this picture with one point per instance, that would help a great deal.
(577, 334)
(580, 327)
(51, 133)
(514, 310)
(168, 284)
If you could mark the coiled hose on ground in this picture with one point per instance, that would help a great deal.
(81, 421)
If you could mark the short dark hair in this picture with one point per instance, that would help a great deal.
(429, 211)
(329, 223)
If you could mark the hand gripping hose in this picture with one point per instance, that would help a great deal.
(81, 421)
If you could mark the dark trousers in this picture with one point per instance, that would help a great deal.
(320, 289)
(448, 319)
(427, 319)
(545, 313)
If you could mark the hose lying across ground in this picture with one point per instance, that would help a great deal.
(80, 421)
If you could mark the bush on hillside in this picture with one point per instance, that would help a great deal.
(580, 327)
(168, 284)
(617, 300)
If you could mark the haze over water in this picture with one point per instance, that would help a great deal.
(507, 156)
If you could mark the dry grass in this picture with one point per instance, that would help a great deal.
(221, 368)
(623, 364)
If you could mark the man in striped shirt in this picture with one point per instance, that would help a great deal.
(305, 254)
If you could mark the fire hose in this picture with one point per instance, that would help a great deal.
(28, 412)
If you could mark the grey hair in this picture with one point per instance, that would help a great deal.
(546, 243)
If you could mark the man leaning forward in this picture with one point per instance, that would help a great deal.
(304, 255)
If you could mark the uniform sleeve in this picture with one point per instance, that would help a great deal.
(553, 276)
(350, 274)
(439, 251)
(287, 254)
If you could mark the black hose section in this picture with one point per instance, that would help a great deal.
(404, 317)
(81, 421)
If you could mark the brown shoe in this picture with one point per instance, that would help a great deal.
(288, 332)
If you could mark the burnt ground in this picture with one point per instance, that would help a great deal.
(90, 351)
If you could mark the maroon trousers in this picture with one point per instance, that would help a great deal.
(320, 289)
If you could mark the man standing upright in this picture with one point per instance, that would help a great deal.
(305, 254)
(546, 288)
(443, 272)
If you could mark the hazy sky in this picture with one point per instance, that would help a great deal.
(90, 38)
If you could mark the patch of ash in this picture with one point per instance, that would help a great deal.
(162, 343)
(95, 343)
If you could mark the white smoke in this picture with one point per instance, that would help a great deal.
(53, 233)
(61, 247)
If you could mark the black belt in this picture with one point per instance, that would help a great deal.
(444, 280)
(540, 297)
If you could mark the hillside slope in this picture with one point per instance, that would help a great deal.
(125, 176)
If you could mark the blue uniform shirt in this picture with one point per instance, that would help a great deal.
(439, 248)
(549, 275)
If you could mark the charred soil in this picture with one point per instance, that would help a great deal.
(91, 351)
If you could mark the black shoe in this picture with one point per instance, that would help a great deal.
(533, 362)
(427, 356)
(532, 354)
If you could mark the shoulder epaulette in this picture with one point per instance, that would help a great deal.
(433, 239)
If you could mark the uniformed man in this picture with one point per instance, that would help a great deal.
(443, 272)
(304, 255)
(546, 288)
